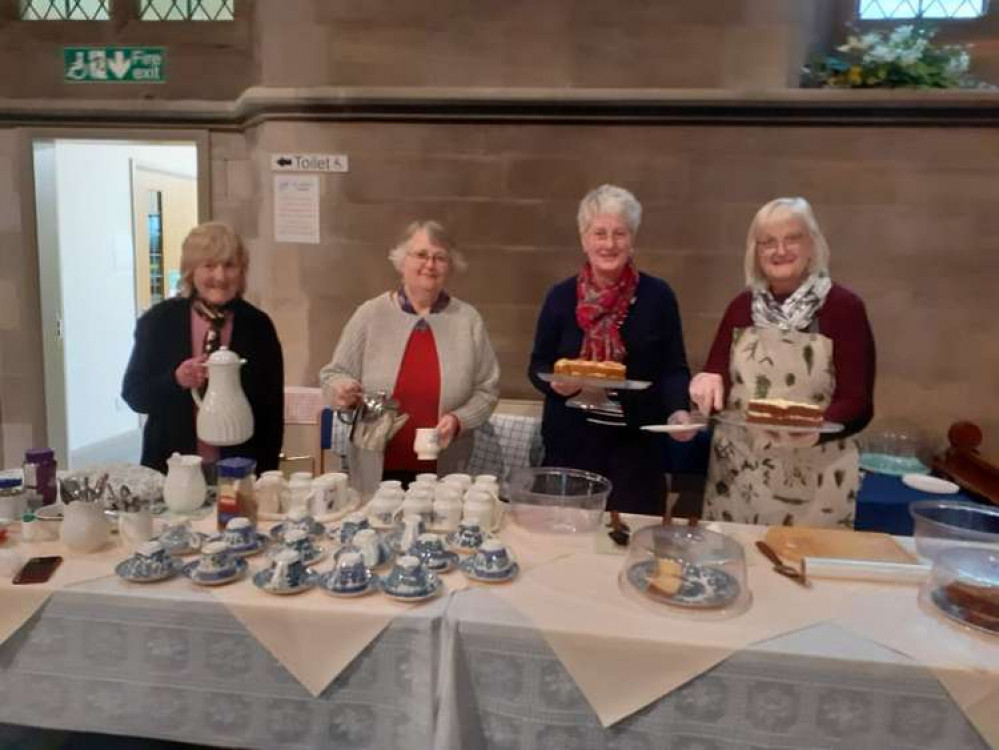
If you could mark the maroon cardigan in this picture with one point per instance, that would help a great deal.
(841, 318)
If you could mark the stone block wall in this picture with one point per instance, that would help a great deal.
(908, 214)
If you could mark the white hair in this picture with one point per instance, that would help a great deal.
(609, 199)
(775, 210)
(438, 237)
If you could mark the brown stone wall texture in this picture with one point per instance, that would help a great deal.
(908, 213)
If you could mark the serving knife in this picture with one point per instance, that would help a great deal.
(798, 576)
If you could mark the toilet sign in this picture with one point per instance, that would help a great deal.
(309, 163)
(114, 64)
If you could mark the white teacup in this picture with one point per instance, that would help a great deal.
(480, 507)
(390, 484)
(462, 480)
(447, 512)
(421, 505)
(329, 493)
(427, 478)
(427, 444)
(135, 527)
(382, 509)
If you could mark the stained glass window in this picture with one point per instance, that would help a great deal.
(875, 10)
(186, 10)
(65, 10)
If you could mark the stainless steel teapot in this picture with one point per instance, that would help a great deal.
(370, 407)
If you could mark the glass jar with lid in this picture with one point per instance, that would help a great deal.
(235, 490)
(12, 500)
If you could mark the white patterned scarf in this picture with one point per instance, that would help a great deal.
(797, 311)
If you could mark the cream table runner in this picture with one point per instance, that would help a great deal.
(623, 655)
(19, 603)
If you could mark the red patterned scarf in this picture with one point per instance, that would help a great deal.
(600, 311)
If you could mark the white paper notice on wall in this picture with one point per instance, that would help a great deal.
(296, 208)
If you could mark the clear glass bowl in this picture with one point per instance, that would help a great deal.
(964, 587)
(686, 571)
(942, 524)
(896, 451)
(556, 500)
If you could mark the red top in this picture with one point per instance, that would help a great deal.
(841, 318)
(418, 391)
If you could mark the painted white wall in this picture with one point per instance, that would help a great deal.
(98, 298)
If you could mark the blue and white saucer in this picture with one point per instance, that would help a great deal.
(316, 553)
(433, 587)
(139, 570)
(262, 580)
(258, 546)
(215, 577)
(330, 585)
(701, 587)
(488, 576)
(278, 530)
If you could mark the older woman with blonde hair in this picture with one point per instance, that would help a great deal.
(793, 335)
(427, 349)
(610, 310)
(174, 338)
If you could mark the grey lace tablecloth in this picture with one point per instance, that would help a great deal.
(459, 674)
(187, 670)
(507, 691)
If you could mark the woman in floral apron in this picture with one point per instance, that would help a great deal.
(796, 335)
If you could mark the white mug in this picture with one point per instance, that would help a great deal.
(382, 508)
(447, 512)
(427, 478)
(135, 527)
(462, 480)
(427, 444)
(268, 491)
(479, 507)
(421, 505)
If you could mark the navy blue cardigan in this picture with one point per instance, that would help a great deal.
(653, 337)
(162, 342)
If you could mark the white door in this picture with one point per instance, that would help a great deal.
(88, 277)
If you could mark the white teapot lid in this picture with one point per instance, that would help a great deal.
(224, 356)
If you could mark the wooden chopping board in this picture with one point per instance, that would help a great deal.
(793, 543)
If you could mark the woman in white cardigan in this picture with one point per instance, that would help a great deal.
(428, 349)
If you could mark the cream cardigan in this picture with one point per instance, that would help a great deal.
(370, 351)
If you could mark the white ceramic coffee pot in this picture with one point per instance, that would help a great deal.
(224, 415)
(184, 487)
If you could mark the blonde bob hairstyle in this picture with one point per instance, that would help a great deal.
(775, 210)
(609, 199)
(212, 242)
(438, 237)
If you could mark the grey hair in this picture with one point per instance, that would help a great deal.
(212, 241)
(797, 208)
(609, 199)
(438, 236)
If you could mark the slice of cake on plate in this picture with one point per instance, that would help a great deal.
(779, 412)
(585, 368)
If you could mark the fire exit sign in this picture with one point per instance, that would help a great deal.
(114, 64)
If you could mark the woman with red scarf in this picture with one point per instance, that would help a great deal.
(611, 311)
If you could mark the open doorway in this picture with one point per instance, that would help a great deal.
(111, 216)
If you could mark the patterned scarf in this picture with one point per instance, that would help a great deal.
(215, 316)
(797, 311)
(600, 311)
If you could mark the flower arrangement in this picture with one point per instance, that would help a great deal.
(902, 57)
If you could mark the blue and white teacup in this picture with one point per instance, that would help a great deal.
(216, 558)
(287, 570)
(492, 557)
(151, 558)
(300, 541)
(409, 577)
(239, 533)
(350, 573)
(469, 535)
(352, 523)
(430, 548)
(374, 551)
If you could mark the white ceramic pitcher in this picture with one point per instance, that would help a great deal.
(224, 415)
(184, 487)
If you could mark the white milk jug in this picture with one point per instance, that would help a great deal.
(184, 487)
(224, 415)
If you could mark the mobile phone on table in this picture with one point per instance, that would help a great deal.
(38, 569)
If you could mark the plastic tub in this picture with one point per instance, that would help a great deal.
(557, 500)
(962, 587)
(942, 524)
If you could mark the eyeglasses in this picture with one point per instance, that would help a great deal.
(422, 256)
(792, 242)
